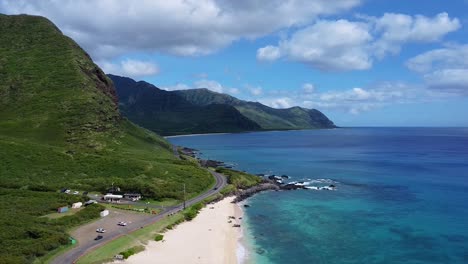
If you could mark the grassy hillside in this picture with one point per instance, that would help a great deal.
(59, 121)
(268, 118)
(168, 113)
(60, 127)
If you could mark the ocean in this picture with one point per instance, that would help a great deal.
(401, 196)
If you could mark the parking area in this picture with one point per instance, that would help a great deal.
(87, 233)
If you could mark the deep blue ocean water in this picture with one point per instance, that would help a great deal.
(402, 194)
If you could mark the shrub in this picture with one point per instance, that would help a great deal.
(131, 251)
(159, 237)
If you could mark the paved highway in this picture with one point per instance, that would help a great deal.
(85, 247)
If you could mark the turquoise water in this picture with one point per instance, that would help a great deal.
(402, 194)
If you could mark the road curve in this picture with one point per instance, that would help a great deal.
(81, 249)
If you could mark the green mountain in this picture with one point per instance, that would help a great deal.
(60, 127)
(267, 117)
(168, 113)
(204, 111)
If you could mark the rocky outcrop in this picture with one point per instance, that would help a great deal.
(242, 195)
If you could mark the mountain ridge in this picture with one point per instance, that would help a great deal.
(201, 110)
(167, 113)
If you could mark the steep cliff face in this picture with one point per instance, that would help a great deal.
(50, 88)
(168, 113)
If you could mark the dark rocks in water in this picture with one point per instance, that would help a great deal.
(274, 177)
(285, 176)
(289, 187)
(246, 205)
(189, 151)
(211, 163)
(260, 251)
(332, 186)
(256, 189)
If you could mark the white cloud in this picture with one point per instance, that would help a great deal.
(397, 29)
(454, 56)
(109, 28)
(131, 68)
(254, 90)
(328, 45)
(342, 45)
(443, 69)
(178, 86)
(268, 53)
(308, 88)
(204, 83)
(283, 102)
(210, 85)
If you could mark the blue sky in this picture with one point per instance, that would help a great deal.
(363, 63)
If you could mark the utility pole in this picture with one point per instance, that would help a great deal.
(184, 196)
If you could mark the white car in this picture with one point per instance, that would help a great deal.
(122, 223)
(76, 192)
(100, 230)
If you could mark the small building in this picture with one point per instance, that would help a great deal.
(62, 209)
(132, 196)
(112, 197)
(77, 205)
(104, 213)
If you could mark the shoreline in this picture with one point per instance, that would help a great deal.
(258, 131)
(209, 238)
(200, 134)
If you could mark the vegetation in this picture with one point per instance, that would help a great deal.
(158, 237)
(24, 235)
(60, 127)
(239, 179)
(168, 113)
(191, 212)
(132, 251)
(266, 117)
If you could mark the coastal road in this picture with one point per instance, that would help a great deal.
(88, 244)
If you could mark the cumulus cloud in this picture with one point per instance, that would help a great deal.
(177, 86)
(254, 90)
(342, 45)
(131, 68)
(454, 56)
(308, 88)
(268, 53)
(444, 69)
(182, 27)
(397, 29)
(282, 102)
(210, 85)
(203, 83)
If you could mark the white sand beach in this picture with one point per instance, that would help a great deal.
(209, 238)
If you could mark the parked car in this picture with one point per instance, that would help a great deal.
(122, 223)
(100, 230)
(76, 192)
(98, 237)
